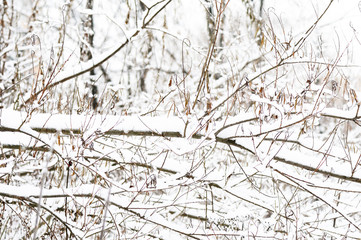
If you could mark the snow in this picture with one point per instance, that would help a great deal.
(126, 124)
(271, 148)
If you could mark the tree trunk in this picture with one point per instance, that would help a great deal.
(86, 54)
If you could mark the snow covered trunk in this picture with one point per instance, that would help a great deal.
(86, 48)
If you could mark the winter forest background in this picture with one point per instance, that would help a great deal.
(180, 119)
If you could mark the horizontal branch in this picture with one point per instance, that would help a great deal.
(167, 127)
(112, 132)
